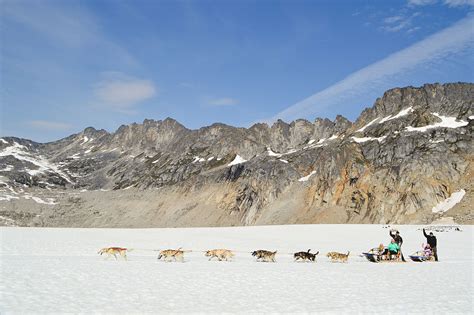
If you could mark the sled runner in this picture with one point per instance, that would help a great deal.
(378, 254)
(421, 256)
(373, 255)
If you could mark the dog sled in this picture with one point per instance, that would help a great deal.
(372, 255)
(381, 254)
(421, 256)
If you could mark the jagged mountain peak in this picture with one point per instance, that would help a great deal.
(407, 153)
(419, 104)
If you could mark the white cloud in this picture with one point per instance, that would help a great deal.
(122, 92)
(433, 49)
(49, 125)
(225, 101)
(450, 3)
(413, 29)
(66, 24)
(459, 3)
(393, 19)
(421, 2)
(399, 22)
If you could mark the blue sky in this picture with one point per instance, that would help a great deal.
(67, 65)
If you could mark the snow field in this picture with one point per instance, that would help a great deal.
(58, 270)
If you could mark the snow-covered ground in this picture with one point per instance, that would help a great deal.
(58, 270)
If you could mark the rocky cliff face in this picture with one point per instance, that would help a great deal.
(408, 159)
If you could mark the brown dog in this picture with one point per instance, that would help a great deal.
(220, 254)
(114, 251)
(169, 254)
(335, 256)
(264, 255)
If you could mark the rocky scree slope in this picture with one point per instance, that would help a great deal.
(407, 159)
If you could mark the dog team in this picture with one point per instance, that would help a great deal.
(261, 255)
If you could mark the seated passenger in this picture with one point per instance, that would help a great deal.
(427, 250)
(393, 248)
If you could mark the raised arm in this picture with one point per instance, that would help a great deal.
(424, 233)
(391, 234)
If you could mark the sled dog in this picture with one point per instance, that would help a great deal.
(220, 254)
(172, 254)
(113, 251)
(305, 256)
(264, 255)
(335, 256)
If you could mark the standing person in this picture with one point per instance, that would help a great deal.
(431, 240)
(399, 240)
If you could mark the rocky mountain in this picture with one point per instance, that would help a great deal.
(407, 159)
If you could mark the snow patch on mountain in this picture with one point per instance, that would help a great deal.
(446, 122)
(320, 143)
(305, 178)
(450, 202)
(48, 201)
(366, 126)
(237, 160)
(18, 151)
(365, 139)
(271, 153)
(198, 159)
(84, 140)
(291, 151)
(8, 198)
(402, 113)
(7, 168)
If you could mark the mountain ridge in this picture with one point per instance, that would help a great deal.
(299, 172)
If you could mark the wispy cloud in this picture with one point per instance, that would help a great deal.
(421, 2)
(49, 125)
(72, 28)
(64, 24)
(450, 3)
(225, 101)
(399, 22)
(122, 92)
(433, 50)
(393, 19)
(459, 3)
(413, 29)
